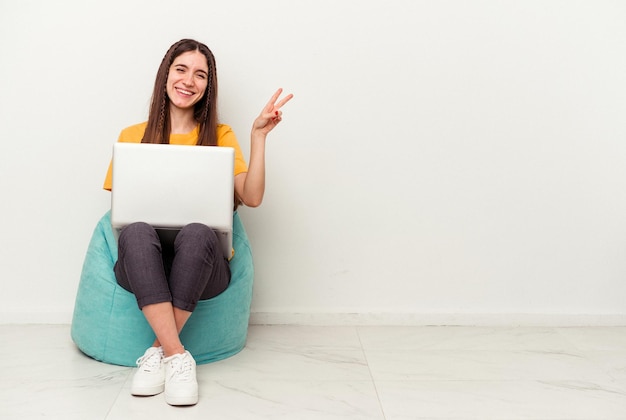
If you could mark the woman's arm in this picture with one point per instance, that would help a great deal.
(250, 186)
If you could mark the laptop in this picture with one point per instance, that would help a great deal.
(169, 186)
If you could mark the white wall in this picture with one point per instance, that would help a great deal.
(442, 161)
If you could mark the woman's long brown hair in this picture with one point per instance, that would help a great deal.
(205, 111)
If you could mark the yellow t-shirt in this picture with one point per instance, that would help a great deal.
(225, 138)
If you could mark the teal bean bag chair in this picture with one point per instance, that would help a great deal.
(108, 326)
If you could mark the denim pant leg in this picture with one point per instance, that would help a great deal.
(139, 267)
(199, 269)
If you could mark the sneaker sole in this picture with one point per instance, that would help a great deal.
(186, 400)
(147, 391)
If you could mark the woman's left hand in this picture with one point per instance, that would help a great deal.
(271, 115)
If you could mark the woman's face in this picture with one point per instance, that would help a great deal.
(187, 79)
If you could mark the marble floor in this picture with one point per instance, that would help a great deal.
(299, 373)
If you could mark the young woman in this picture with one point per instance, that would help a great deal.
(168, 278)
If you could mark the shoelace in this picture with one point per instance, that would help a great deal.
(150, 362)
(181, 368)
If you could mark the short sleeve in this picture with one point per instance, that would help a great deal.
(132, 134)
(226, 138)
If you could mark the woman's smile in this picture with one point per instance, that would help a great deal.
(187, 79)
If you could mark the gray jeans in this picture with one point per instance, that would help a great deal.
(181, 267)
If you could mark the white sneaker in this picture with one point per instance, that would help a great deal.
(181, 386)
(150, 376)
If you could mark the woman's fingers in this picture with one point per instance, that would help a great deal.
(272, 106)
